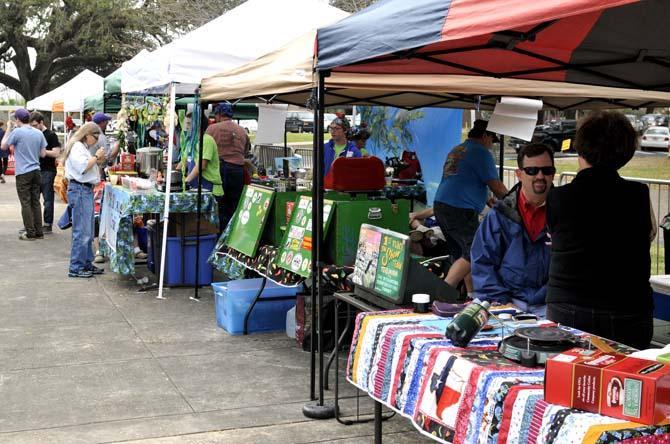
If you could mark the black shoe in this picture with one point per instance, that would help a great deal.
(95, 270)
(2, 179)
(80, 274)
(47, 229)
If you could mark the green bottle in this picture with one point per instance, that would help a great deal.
(468, 323)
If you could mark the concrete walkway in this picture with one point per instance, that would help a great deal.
(94, 361)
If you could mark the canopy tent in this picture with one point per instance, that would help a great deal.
(70, 95)
(615, 43)
(265, 24)
(108, 100)
(286, 76)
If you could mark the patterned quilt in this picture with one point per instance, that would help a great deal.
(471, 395)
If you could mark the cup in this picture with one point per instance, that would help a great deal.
(421, 302)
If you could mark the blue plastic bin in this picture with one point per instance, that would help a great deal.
(233, 298)
(180, 259)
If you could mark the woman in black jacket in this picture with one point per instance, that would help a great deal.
(601, 230)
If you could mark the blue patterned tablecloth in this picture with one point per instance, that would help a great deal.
(122, 260)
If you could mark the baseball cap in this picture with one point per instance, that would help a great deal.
(479, 129)
(22, 114)
(100, 117)
(224, 109)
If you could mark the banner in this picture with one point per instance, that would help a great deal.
(431, 132)
(110, 214)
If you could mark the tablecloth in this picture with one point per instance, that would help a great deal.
(471, 395)
(137, 202)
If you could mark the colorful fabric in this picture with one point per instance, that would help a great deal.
(122, 260)
(468, 395)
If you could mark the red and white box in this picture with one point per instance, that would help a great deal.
(611, 384)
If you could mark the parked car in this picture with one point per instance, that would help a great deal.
(656, 137)
(662, 120)
(299, 122)
(637, 123)
(551, 134)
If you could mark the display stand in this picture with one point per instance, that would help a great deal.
(351, 301)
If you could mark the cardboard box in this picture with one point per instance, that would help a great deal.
(611, 384)
(184, 224)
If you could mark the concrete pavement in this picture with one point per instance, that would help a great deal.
(94, 361)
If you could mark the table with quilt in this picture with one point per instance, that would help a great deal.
(471, 395)
(128, 203)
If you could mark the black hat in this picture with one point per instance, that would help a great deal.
(479, 130)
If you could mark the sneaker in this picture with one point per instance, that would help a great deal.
(80, 274)
(99, 259)
(2, 179)
(141, 255)
(47, 229)
(24, 236)
(95, 270)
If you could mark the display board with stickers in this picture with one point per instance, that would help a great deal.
(249, 219)
(295, 252)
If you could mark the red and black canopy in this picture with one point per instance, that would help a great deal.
(618, 43)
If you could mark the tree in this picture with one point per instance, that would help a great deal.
(351, 5)
(70, 35)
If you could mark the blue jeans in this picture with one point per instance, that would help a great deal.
(80, 200)
(48, 195)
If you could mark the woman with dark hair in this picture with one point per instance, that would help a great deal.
(601, 230)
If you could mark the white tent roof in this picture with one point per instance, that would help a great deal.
(241, 35)
(71, 93)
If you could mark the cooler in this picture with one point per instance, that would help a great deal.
(661, 286)
(233, 298)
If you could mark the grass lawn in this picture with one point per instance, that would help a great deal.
(295, 137)
(647, 167)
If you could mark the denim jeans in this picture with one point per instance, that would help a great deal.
(48, 196)
(232, 177)
(28, 190)
(80, 200)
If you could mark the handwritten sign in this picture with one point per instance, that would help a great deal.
(390, 266)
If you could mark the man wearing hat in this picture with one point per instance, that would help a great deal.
(469, 171)
(102, 119)
(29, 146)
(232, 145)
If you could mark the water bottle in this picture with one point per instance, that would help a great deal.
(468, 323)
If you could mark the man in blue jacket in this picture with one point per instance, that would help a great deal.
(338, 145)
(511, 250)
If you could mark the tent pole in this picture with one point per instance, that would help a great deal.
(502, 157)
(200, 148)
(318, 410)
(314, 268)
(168, 179)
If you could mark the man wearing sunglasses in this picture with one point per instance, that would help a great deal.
(511, 252)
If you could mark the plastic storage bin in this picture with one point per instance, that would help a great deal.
(180, 259)
(661, 286)
(233, 298)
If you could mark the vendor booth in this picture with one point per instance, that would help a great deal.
(69, 97)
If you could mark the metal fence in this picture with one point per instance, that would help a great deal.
(266, 154)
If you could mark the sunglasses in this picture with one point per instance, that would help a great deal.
(533, 171)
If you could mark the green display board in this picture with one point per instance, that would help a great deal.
(295, 252)
(381, 261)
(249, 219)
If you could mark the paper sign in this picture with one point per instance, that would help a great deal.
(515, 116)
(565, 145)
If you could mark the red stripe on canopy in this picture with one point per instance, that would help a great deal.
(468, 18)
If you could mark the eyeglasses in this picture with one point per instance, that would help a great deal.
(533, 171)
(96, 136)
(333, 128)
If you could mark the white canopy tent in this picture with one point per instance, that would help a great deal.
(71, 93)
(239, 36)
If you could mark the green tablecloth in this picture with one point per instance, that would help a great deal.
(123, 260)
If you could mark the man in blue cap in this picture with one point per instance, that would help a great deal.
(232, 145)
(101, 119)
(29, 146)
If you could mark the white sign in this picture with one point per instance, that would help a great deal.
(110, 216)
(515, 116)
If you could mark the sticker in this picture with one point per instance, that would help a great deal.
(303, 203)
(564, 358)
(296, 262)
(614, 393)
(303, 222)
(289, 257)
(283, 257)
(250, 192)
(295, 244)
(266, 204)
(244, 217)
(305, 264)
(297, 232)
(632, 397)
